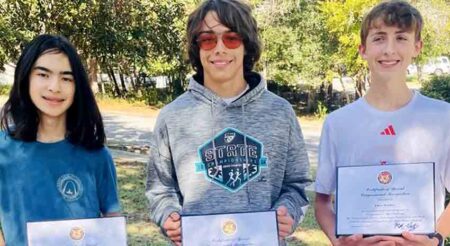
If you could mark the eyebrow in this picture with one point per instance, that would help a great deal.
(50, 71)
(385, 33)
(211, 31)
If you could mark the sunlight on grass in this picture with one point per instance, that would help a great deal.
(309, 237)
(121, 105)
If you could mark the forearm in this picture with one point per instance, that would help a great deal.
(325, 215)
(162, 205)
(2, 240)
(162, 188)
(443, 224)
(294, 198)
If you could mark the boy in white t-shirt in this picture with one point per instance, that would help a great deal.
(390, 124)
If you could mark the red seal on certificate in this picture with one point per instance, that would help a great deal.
(384, 177)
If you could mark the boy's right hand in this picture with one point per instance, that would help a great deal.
(359, 240)
(172, 226)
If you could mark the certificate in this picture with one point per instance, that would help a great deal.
(78, 232)
(385, 199)
(243, 229)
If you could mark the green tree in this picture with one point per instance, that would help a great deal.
(293, 34)
(123, 38)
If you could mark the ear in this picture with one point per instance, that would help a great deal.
(362, 51)
(418, 45)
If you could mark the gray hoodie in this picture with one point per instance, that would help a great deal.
(210, 157)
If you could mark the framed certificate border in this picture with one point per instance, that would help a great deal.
(384, 178)
(229, 229)
(86, 231)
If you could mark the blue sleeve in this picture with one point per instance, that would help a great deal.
(107, 185)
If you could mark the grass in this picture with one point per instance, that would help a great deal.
(141, 231)
(121, 105)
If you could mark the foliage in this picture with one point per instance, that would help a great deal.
(4, 89)
(293, 36)
(116, 37)
(438, 87)
(306, 42)
(321, 111)
(343, 20)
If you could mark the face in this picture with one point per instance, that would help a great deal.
(389, 50)
(52, 86)
(224, 62)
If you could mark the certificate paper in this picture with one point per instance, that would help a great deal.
(385, 199)
(243, 229)
(79, 232)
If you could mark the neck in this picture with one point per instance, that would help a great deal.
(51, 129)
(388, 95)
(226, 89)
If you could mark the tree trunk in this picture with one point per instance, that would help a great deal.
(113, 78)
(92, 75)
(122, 82)
(347, 96)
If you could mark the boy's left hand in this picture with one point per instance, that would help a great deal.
(285, 222)
(410, 239)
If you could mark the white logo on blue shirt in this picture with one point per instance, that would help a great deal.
(231, 159)
(70, 187)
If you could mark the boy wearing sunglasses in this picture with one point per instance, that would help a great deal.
(227, 144)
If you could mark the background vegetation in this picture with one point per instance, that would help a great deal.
(131, 43)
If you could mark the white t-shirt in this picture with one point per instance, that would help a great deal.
(359, 134)
(232, 99)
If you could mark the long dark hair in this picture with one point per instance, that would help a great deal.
(233, 14)
(19, 116)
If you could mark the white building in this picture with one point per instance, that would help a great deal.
(7, 77)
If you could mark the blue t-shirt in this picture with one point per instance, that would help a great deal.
(52, 181)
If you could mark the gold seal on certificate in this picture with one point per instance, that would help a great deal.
(77, 235)
(229, 227)
(385, 199)
(251, 228)
(78, 232)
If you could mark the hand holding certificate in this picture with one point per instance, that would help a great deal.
(258, 228)
(79, 232)
(385, 199)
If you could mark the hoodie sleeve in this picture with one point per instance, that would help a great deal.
(162, 186)
(296, 176)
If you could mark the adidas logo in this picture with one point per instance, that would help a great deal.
(389, 131)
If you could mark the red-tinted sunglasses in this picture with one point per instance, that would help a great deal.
(208, 40)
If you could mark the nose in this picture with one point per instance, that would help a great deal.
(389, 48)
(54, 84)
(220, 46)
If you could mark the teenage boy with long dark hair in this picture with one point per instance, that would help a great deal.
(53, 163)
(226, 116)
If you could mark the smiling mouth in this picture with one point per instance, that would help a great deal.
(221, 62)
(53, 100)
(389, 63)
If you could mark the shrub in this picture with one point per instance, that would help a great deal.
(438, 87)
